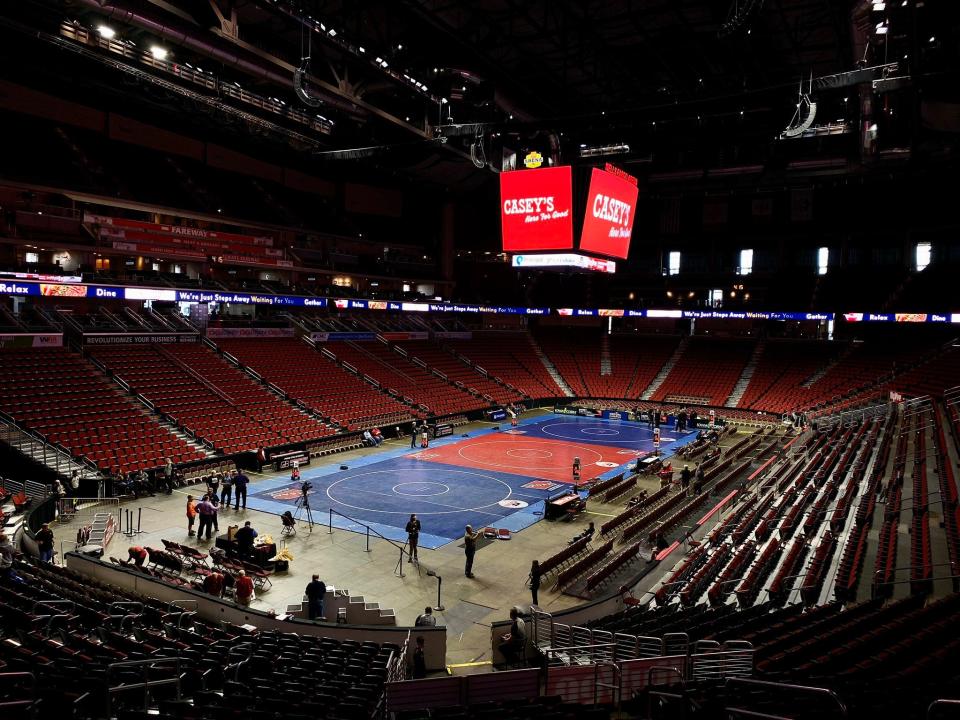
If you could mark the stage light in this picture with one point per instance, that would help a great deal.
(332, 33)
(362, 49)
(106, 32)
(158, 52)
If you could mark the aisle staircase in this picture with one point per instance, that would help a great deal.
(161, 418)
(810, 381)
(550, 367)
(741, 387)
(32, 445)
(606, 367)
(665, 370)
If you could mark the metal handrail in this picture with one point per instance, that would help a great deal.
(804, 689)
(617, 688)
(935, 704)
(5, 679)
(145, 684)
(401, 548)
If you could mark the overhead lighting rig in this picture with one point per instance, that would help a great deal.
(739, 16)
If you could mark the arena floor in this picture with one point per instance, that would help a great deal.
(341, 556)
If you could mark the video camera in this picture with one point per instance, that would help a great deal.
(305, 487)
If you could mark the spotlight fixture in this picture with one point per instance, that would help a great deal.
(106, 32)
(159, 53)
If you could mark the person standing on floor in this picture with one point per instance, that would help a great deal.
(419, 660)
(240, 490)
(226, 489)
(245, 537)
(535, 581)
(168, 476)
(191, 514)
(470, 549)
(243, 589)
(413, 435)
(44, 539)
(413, 537)
(316, 593)
(213, 485)
(215, 504)
(205, 513)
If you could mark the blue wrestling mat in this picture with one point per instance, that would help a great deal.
(448, 489)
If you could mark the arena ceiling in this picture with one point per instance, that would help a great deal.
(419, 86)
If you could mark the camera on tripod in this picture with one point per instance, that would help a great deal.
(305, 487)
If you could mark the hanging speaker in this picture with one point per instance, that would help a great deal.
(299, 87)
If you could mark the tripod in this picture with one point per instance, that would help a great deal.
(303, 510)
(398, 570)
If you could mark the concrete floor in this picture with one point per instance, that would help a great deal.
(340, 558)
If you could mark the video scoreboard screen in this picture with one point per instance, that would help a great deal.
(536, 212)
(536, 208)
(608, 222)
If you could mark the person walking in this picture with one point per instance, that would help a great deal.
(226, 489)
(240, 483)
(44, 538)
(243, 589)
(191, 514)
(470, 549)
(535, 581)
(316, 593)
(413, 537)
(685, 476)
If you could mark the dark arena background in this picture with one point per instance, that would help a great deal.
(541, 360)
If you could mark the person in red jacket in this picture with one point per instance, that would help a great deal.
(243, 589)
(136, 555)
